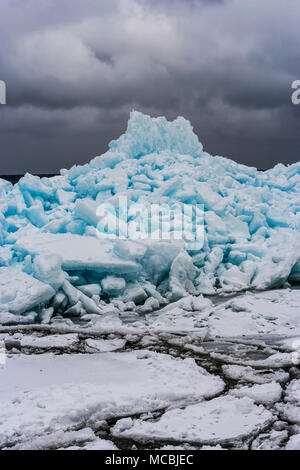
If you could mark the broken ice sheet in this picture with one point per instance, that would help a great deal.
(221, 420)
(58, 393)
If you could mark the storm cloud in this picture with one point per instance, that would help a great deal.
(74, 70)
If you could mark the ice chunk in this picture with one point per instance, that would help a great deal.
(20, 292)
(10, 319)
(134, 293)
(103, 345)
(65, 197)
(6, 256)
(203, 423)
(47, 268)
(145, 135)
(266, 393)
(49, 342)
(90, 289)
(293, 443)
(77, 252)
(75, 296)
(113, 286)
(182, 274)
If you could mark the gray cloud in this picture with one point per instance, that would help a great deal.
(75, 68)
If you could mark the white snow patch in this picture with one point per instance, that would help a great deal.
(219, 420)
(55, 393)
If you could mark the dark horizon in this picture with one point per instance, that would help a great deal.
(74, 69)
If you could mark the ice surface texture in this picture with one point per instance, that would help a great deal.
(48, 227)
(108, 385)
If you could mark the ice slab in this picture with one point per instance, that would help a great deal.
(272, 312)
(267, 394)
(221, 420)
(20, 292)
(49, 342)
(77, 252)
(58, 393)
(293, 443)
(97, 444)
(259, 377)
(104, 345)
(56, 440)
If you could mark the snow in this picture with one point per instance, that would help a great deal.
(20, 293)
(293, 443)
(55, 229)
(291, 408)
(97, 444)
(104, 345)
(266, 394)
(113, 285)
(76, 252)
(272, 441)
(260, 377)
(49, 342)
(272, 312)
(55, 439)
(203, 423)
(101, 311)
(48, 393)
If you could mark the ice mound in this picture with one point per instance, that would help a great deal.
(58, 235)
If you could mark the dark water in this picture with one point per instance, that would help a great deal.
(15, 178)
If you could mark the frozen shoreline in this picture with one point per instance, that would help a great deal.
(187, 367)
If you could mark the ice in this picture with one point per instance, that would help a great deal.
(272, 441)
(273, 312)
(290, 410)
(203, 423)
(5, 256)
(51, 342)
(51, 393)
(266, 393)
(113, 286)
(104, 345)
(9, 319)
(53, 229)
(247, 374)
(77, 253)
(59, 438)
(293, 443)
(97, 444)
(20, 293)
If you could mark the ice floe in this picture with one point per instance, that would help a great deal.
(203, 423)
(48, 393)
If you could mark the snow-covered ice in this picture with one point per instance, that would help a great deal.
(265, 393)
(51, 393)
(219, 420)
(20, 293)
(293, 443)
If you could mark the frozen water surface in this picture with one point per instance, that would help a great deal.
(109, 340)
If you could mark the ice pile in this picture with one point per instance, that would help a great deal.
(57, 254)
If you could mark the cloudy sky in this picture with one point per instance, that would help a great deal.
(75, 68)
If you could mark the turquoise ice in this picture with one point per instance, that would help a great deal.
(50, 231)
